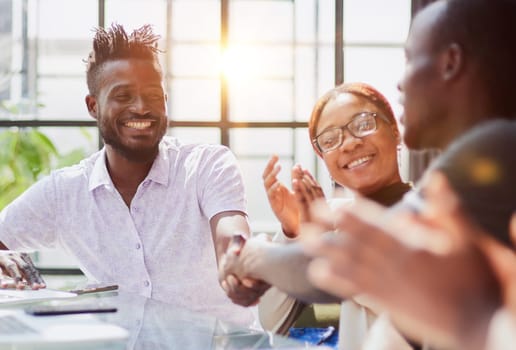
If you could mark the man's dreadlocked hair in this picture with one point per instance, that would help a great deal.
(114, 44)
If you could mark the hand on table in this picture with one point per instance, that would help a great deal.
(18, 271)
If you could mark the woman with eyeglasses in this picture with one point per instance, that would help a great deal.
(353, 130)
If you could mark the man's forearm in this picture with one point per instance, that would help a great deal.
(283, 266)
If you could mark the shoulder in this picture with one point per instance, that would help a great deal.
(79, 171)
(196, 152)
(173, 144)
(487, 141)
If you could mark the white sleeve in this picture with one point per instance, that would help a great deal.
(221, 186)
(502, 331)
(29, 221)
(277, 310)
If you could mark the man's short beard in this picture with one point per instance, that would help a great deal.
(138, 155)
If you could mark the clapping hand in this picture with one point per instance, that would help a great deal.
(291, 207)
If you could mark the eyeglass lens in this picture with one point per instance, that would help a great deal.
(362, 125)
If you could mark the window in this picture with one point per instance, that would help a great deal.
(238, 72)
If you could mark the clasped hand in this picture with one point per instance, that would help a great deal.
(240, 287)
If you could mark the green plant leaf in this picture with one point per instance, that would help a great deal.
(27, 154)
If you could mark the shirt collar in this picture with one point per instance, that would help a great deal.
(160, 168)
(159, 171)
(99, 174)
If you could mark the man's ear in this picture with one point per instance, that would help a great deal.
(452, 62)
(91, 104)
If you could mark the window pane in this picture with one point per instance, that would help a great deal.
(77, 19)
(7, 43)
(133, 14)
(305, 20)
(376, 20)
(195, 99)
(253, 142)
(195, 61)
(64, 58)
(63, 98)
(244, 62)
(261, 100)
(326, 28)
(305, 83)
(196, 135)
(196, 20)
(262, 20)
(380, 67)
(325, 70)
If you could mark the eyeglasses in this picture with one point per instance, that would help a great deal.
(360, 125)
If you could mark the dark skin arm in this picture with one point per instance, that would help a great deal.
(18, 270)
(224, 226)
(444, 290)
(281, 265)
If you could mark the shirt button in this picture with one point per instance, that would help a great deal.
(138, 245)
(146, 283)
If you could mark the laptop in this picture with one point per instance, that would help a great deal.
(19, 330)
(15, 296)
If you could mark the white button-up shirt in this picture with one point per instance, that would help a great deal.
(161, 247)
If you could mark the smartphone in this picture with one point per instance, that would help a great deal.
(95, 288)
(64, 309)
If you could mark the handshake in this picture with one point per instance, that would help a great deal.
(242, 256)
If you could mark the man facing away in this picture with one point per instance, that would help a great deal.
(146, 212)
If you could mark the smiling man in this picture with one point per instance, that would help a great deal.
(146, 212)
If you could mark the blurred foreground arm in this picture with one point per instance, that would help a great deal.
(430, 271)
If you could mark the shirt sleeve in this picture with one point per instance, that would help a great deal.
(29, 221)
(277, 310)
(502, 331)
(221, 186)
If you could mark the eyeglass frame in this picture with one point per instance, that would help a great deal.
(341, 128)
